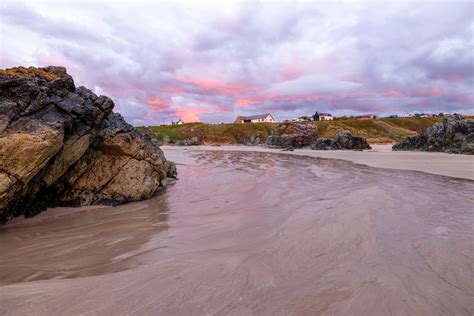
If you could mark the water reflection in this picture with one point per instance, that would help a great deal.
(86, 242)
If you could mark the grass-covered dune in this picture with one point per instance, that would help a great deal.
(385, 130)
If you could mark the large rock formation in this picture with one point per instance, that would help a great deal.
(343, 140)
(294, 135)
(454, 135)
(62, 145)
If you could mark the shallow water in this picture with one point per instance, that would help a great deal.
(253, 233)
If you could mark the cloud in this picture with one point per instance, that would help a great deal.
(161, 61)
(312, 85)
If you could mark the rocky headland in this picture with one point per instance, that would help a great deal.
(454, 135)
(62, 145)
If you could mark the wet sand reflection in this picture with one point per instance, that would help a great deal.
(255, 233)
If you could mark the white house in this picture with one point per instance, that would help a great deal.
(323, 117)
(260, 118)
(178, 122)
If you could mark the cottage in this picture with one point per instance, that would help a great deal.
(366, 117)
(261, 118)
(323, 117)
(178, 122)
(303, 119)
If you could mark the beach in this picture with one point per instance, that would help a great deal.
(257, 231)
(380, 156)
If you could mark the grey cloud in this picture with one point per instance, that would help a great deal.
(146, 55)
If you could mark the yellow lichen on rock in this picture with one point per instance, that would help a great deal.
(30, 72)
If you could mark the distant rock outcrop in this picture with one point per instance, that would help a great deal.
(343, 140)
(62, 145)
(193, 141)
(454, 135)
(294, 135)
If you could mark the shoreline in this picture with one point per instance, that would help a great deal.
(380, 156)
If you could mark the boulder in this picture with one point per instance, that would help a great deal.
(454, 135)
(193, 141)
(324, 144)
(251, 140)
(343, 140)
(62, 145)
(294, 135)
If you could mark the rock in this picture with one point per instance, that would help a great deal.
(343, 140)
(295, 135)
(454, 135)
(324, 144)
(251, 140)
(172, 170)
(193, 141)
(62, 145)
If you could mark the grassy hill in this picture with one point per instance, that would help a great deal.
(376, 131)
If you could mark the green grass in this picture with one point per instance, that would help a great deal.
(385, 130)
(211, 133)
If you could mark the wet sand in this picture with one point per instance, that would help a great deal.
(253, 233)
(381, 156)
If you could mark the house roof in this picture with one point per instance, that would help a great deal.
(325, 114)
(255, 117)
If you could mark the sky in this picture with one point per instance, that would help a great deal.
(211, 61)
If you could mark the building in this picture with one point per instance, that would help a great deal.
(366, 117)
(260, 118)
(178, 122)
(323, 117)
(303, 119)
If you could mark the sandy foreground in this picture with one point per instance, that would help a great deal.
(257, 233)
(380, 156)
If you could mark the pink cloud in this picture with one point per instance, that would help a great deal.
(362, 94)
(188, 115)
(247, 101)
(395, 94)
(214, 85)
(193, 114)
(292, 72)
(172, 89)
(429, 92)
(453, 78)
(158, 104)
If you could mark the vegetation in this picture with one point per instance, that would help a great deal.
(212, 133)
(386, 130)
(31, 72)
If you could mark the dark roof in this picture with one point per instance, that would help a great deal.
(325, 114)
(255, 117)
